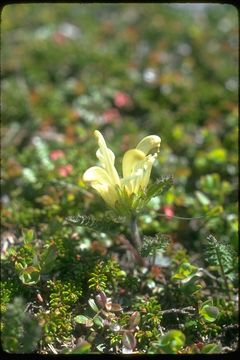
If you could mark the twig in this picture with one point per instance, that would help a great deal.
(52, 348)
(227, 349)
(184, 311)
(160, 328)
(206, 272)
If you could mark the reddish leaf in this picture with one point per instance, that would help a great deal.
(134, 319)
(116, 307)
(108, 304)
(129, 340)
(101, 299)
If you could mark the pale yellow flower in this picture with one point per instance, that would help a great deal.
(136, 168)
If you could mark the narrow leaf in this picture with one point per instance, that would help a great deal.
(129, 340)
(93, 305)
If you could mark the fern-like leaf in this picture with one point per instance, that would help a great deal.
(104, 224)
(222, 254)
(152, 244)
(159, 187)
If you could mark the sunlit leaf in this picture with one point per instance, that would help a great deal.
(211, 349)
(209, 312)
(185, 272)
(172, 341)
(81, 319)
(30, 275)
(93, 305)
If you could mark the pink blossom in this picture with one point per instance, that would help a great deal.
(56, 154)
(111, 115)
(59, 38)
(65, 170)
(168, 211)
(121, 99)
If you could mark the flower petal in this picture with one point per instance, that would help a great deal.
(107, 158)
(101, 182)
(132, 183)
(149, 143)
(137, 180)
(131, 160)
(107, 192)
(96, 174)
(140, 177)
(147, 171)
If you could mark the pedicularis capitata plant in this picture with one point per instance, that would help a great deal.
(98, 255)
(128, 195)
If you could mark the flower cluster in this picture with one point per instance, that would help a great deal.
(136, 168)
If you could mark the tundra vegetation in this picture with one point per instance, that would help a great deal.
(135, 250)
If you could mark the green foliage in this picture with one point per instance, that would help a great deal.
(152, 244)
(222, 254)
(170, 343)
(185, 272)
(187, 275)
(150, 312)
(21, 332)
(211, 349)
(81, 319)
(159, 187)
(129, 205)
(106, 274)
(8, 289)
(63, 293)
(104, 224)
(31, 262)
(163, 69)
(209, 312)
(57, 321)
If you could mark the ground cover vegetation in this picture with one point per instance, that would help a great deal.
(154, 271)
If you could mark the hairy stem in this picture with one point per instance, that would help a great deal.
(131, 248)
(136, 239)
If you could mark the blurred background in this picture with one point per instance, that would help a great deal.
(129, 70)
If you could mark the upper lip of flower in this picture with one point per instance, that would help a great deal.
(136, 166)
